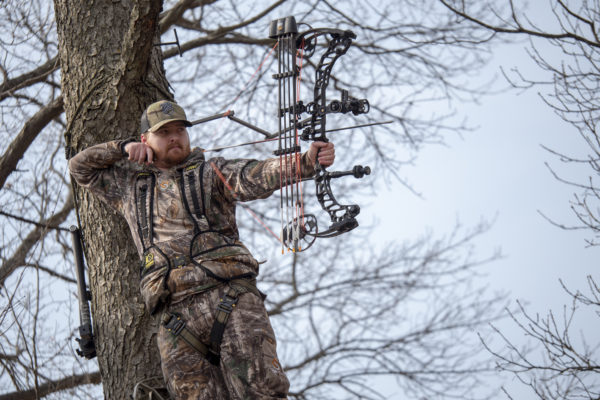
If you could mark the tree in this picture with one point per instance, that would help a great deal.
(82, 73)
(566, 48)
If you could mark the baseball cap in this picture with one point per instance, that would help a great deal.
(161, 113)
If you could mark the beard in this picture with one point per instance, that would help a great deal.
(175, 154)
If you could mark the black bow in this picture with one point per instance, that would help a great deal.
(302, 229)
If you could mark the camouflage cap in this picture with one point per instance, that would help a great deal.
(161, 113)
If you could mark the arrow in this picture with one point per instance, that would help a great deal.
(270, 136)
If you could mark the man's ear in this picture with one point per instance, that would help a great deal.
(143, 138)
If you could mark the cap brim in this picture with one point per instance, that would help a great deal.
(166, 121)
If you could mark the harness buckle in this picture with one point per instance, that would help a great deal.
(180, 260)
(227, 303)
(174, 325)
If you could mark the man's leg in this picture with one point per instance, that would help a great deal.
(249, 367)
(249, 362)
(189, 376)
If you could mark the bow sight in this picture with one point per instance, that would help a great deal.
(302, 230)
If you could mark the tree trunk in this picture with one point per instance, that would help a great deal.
(110, 72)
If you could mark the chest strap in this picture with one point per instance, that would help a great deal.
(212, 351)
(144, 200)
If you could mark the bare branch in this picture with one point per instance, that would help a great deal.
(47, 388)
(39, 74)
(20, 255)
(20, 144)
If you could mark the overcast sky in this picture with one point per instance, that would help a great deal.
(498, 173)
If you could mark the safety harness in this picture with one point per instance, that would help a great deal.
(144, 202)
(175, 325)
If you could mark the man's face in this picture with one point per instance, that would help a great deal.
(170, 144)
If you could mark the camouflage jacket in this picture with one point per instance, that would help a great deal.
(182, 220)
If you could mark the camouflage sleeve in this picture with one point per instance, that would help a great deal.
(94, 168)
(246, 180)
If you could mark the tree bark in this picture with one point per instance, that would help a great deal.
(110, 72)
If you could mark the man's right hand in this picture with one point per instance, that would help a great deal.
(139, 152)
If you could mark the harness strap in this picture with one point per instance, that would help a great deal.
(177, 327)
(144, 197)
(191, 175)
(191, 181)
(224, 309)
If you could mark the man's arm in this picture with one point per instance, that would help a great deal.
(247, 180)
(94, 169)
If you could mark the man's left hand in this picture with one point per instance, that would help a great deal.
(324, 152)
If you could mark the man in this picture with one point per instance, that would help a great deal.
(215, 338)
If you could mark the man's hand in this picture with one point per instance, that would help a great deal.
(139, 152)
(325, 152)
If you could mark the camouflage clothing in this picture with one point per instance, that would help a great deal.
(188, 248)
(249, 367)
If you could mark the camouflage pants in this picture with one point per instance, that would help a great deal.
(249, 368)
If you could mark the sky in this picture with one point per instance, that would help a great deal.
(498, 173)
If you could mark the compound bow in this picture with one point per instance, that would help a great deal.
(302, 230)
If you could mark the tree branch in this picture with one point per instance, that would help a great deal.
(30, 130)
(520, 29)
(37, 75)
(54, 386)
(20, 255)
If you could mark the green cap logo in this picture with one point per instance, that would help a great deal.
(161, 113)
